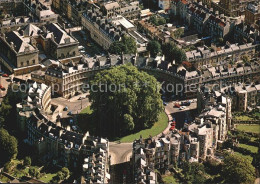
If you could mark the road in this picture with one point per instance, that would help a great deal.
(120, 152)
(74, 105)
(182, 116)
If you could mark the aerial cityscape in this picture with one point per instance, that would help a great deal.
(130, 91)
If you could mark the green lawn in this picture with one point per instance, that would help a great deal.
(248, 157)
(257, 114)
(169, 180)
(47, 177)
(87, 110)
(249, 128)
(253, 149)
(156, 129)
(243, 118)
(4, 179)
(19, 173)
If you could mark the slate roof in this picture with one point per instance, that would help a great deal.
(59, 34)
(18, 41)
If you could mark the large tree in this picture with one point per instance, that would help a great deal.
(173, 52)
(8, 146)
(236, 169)
(154, 48)
(124, 99)
(127, 46)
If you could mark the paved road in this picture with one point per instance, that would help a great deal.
(74, 105)
(171, 109)
(120, 152)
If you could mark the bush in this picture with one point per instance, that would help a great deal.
(8, 167)
(34, 172)
(27, 161)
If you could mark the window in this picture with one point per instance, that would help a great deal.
(33, 61)
(27, 62)
(21, 63)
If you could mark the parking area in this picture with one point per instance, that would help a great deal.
(172, 108)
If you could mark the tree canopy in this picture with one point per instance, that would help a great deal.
(154, 47)
(236, 169)
(173, 52)
(8, 146)
(5, 109)
(127, 46)
(177, 33)
(157, 20)
(124, 99)
(27, 161)
(194, 172)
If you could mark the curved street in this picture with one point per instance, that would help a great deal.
(122, 152)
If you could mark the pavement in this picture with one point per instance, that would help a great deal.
(171, 109)
(120, 152)
(74, 104)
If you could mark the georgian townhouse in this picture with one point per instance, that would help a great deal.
(245, 33)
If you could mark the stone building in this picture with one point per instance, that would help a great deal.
(252, 14)
(83, 153)
(18, 52)
(197, 140)
(41, 9)
(231, 8)
(57, 43)
(203, 56)
(102, 31)
(111, 9)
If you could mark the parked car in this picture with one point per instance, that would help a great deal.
(5, 75)
(74, 128)
(185, 103)
(182, 108)
(65, 108)
(177, 105)
(173, 123)
(172, 128)
(165, 103)
(69, 113)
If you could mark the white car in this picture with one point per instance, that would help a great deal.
(182, 108)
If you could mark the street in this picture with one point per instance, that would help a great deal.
(74, 105)
(120, 152)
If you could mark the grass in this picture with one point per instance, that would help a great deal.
(156, 129)
(169, 179)
(19, 173)
(249, 128)
(243, 118)
(248, 157)
(257, 114)
(87, 110)
(47, 177)
(4, 179)
(253, 149)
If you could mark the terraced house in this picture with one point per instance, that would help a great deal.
(62, 146)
